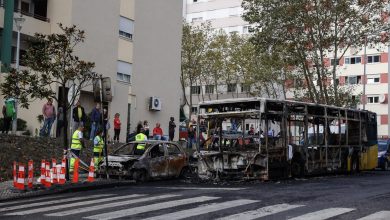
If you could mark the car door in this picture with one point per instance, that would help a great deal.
(158, 164)
(177, 160)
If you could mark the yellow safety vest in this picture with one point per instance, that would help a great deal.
(99, 147)
(140, 137)
(76, 143)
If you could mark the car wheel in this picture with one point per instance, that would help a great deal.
(185, 173)
(140, 176)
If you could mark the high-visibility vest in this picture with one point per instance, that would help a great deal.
(140, 137)
(76, 143)
(99, 147)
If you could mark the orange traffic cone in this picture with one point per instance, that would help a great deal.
(30, 174)
(54, 170)
(14, 174)
(62, 172)
(43, 172)
(47, 180)
(76, 171)
(20, 182)
(91, 174)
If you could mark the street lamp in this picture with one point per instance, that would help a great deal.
(18, 22)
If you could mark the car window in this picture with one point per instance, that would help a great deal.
(157, 151)
(173, 150)
(126, 149)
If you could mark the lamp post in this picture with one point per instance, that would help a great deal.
(365, 73)
(18, 22)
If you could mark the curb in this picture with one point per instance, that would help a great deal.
(70, 188)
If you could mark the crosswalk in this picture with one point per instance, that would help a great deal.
(171, 206)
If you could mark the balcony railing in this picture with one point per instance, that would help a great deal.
(36, 16)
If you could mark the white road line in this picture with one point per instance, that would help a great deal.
(51, 202)
(109, 205)
(261, 212)
(200, 188)
(204, 209)
(31, 200)
(70, 205)
(323, 214)
(382, 215)
(149, 208)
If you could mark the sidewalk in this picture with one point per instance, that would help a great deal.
(8, 192)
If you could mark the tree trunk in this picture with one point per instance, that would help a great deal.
(65, 140)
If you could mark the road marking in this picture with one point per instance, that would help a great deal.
(52, 202)
(149, 208)
(382, 215)
(30, 200)
(200, 188)
(323, 214)
(204, 209)
(76, 204)
(110, 205)
(261, 212)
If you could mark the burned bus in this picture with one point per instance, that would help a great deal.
(259, 138)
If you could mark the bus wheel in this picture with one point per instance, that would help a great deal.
(297, 168)
(385, 165)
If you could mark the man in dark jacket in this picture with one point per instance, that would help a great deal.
(96, 119)
(79, 116)
(172, 127)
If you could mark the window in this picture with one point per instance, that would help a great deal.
(231, 87)
(124, 72)
(373, 99)
(209, 89)
(245, 29)
(373, 79)
(332, 62)
(352, 80)
(197, 19)
(353, 60)
(195, 1)
(245, 88)
(173, 150)
(25, 7)
(195, 90)
(194, 110)
(126, 27)
(374, 59)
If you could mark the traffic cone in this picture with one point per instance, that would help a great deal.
(20, 182)
(58, 170)
(43, 172)
(47, 180)
(91, 174)
(62, 172)
(30, 174)
(76, 171)
(54, 170)
(14, 174)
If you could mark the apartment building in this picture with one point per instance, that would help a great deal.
(124, 44)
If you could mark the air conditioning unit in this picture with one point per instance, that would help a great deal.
(382, 98)
(155, 104)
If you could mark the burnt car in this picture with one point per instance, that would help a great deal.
(159, 160)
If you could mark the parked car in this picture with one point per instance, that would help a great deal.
(160, 159)
(384, 154)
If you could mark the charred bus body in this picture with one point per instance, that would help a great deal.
(260, 138)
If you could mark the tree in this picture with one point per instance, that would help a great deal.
(310, 33)
(51, 62)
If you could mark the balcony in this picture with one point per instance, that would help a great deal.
(34, 9)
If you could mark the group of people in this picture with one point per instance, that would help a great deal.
(157, 133)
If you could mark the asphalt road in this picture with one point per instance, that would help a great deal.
(362, 196)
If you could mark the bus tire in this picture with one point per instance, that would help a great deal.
(385, 165)
(354, 164)
(297, 167)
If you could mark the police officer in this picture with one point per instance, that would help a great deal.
(98, 145)
(77, 145)
(140, 149)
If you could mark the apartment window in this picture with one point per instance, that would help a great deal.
(373, 79)
(374, 59)
(25, 7)
(209, 89)
(332, 62)
(124, 72)
(194, 110)
(373, 99)
(194, 0)
(245, 29)
(353, 60)
(197, 19)
(231, 87)
(245, 88)
(195, 90)
(126, 27)
(352, 80)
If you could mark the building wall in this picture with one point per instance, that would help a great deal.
(157, 47)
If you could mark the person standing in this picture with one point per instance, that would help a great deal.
(78, 115)
(49, 114)
(117, 127)
(98, 145)
(191, 136)
(140, 149)
(8, 115)
(157, 132)
(76, 146)
(172, 127)
(146, 128)
(96, 118)
(60, 121)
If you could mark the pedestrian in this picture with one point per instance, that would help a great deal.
(60, 121)
(139, 126)
(8, 114)
(96, 119)
(157, 132)
(49, 115)
(172, 127)
(146, 128)
(79, 116)
(98, 145)
(76, 146)
(140, 137)
(191, 137)
(251, 130)
(117, 127)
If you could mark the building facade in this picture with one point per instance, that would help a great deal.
(111, 42)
